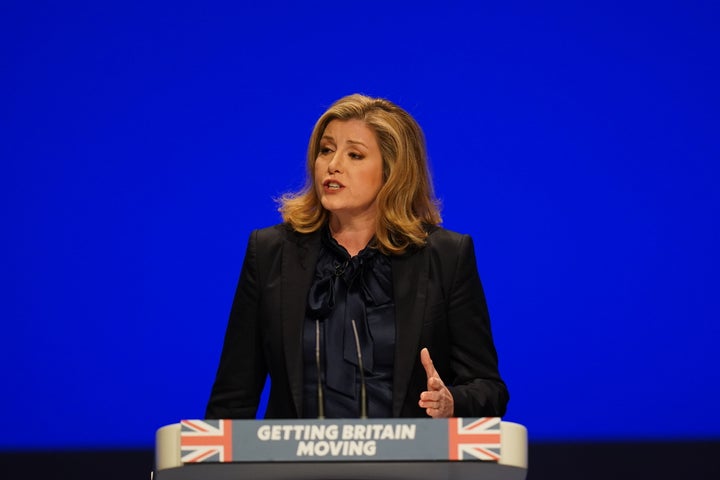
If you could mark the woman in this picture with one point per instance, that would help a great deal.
(359, 273)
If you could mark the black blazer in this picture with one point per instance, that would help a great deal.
(439, 304)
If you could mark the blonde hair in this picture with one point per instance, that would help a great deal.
(406, 202)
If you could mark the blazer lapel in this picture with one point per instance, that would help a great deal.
(410, 280)
(300, 252)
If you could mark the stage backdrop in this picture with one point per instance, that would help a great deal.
(143, 141)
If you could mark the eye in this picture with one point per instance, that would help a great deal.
(355, 156)
(325, 150)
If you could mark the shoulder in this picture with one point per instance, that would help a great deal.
(449, 249)
(273, 237)
(452, 255)
(272, 233)
(445, 240)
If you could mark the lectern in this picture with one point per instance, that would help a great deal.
(349, 449)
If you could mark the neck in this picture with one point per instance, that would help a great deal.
(353, 236)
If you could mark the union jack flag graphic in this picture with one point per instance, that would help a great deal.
(206, 441)
(478, 439)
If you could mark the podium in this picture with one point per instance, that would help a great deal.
(347, 449)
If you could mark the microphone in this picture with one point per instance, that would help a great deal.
(321, 402)
(363, 389)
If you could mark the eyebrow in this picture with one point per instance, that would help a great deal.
(356, 142)
(352, 142)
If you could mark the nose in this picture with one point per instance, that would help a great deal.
(334, 164)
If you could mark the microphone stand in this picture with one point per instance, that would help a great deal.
(363, 390)
(321, 401)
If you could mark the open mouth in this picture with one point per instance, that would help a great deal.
(332, 185)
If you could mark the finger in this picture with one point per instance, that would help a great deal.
(429, 404)
(433, 412)
(431, 396)
(435, 383)
(427, 363)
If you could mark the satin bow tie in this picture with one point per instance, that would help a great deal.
(342, 292)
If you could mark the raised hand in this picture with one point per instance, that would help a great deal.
(436, 400)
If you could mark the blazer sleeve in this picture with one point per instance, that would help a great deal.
(476, 385)
(242, 370)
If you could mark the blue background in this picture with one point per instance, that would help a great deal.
(142, 142)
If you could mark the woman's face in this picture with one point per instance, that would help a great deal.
(349, 170)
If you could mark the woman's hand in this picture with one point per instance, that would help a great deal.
(437, 400)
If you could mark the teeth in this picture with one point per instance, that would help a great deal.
(333, 185)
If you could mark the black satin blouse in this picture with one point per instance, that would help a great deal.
(349, 288)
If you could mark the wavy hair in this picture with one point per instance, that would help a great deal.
(406, 201)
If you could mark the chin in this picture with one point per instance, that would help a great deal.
(329, 206)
